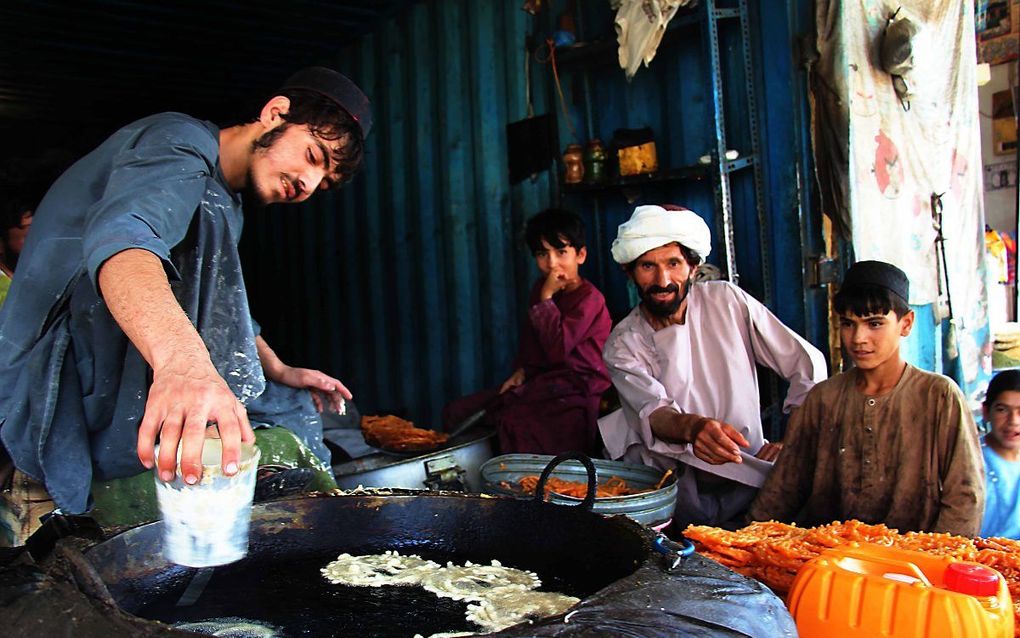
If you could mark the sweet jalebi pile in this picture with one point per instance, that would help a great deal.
(393, 433)
(773, 552)
(615, 486)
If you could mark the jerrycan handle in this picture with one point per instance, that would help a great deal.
(868, 564)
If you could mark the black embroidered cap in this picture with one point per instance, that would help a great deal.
(338, 88)
(878, 273)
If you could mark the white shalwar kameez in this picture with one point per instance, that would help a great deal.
(706, 366)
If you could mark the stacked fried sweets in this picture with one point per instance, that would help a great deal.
(773, 552)
(395, 434)
(1006, 346)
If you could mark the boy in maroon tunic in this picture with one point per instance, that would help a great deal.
(549, 405)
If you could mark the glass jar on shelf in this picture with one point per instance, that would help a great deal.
(594, 162)
(573, 163)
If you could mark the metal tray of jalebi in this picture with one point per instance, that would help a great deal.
(652, 504)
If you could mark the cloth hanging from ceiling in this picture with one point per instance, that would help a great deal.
(882, 158)
(640, 25)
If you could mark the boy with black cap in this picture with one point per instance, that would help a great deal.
(883, 442)
(129, 321)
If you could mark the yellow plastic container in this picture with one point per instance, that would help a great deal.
(871, 591)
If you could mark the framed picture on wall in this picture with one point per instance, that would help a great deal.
(1003, 124)
(997, 29)
(1000, 175)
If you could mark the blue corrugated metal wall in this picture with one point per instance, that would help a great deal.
(795, 232)
(673, 97)
(409, 284)
(406, 284)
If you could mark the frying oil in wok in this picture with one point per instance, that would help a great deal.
(293, 597)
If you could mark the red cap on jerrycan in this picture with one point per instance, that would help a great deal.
(974, 580)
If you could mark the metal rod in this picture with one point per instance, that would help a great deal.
(720, 177)
(759, 186)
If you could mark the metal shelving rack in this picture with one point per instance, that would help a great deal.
(707, 15)
(772, 412)
(721, 176)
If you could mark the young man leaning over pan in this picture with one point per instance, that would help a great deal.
(128, 321)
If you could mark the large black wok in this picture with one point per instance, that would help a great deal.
(626, 586)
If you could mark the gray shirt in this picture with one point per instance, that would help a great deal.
(72, 386)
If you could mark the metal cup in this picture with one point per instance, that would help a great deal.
(206, 524)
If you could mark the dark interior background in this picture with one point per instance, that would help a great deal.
(73, 72)
(410, 283)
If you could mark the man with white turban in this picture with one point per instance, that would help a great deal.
(683, 362)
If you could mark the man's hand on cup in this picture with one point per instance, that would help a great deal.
(187, 394)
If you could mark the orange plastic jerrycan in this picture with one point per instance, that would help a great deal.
(872, 591)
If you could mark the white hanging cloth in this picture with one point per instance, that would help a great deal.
(640, 25)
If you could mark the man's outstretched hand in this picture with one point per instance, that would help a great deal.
(325, 389)
(712, 441)
(717, 442)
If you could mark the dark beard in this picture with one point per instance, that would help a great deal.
(662, 310)
(250, 195)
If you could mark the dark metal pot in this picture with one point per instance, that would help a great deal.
(574, 551)
(611, 563)
(627, 588)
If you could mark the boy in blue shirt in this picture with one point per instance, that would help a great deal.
(1001, 449)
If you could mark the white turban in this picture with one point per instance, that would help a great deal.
(653, 226)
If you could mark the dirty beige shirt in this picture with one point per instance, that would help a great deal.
(910, 458)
